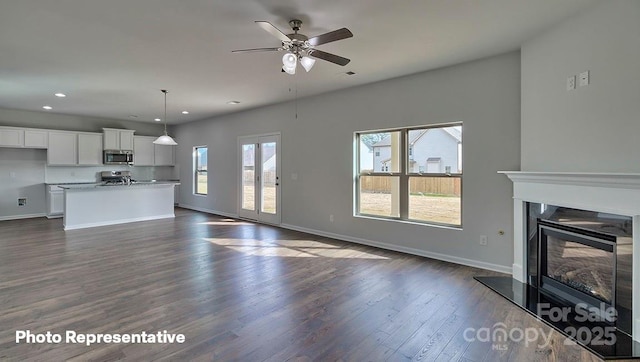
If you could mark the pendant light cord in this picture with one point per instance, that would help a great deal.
(165, 111)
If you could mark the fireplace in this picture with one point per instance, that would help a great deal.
(575, 266)
(577, 244)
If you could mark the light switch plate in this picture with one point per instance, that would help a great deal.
(584, 78)
(571, 83)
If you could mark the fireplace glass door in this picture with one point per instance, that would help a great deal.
(577, 266)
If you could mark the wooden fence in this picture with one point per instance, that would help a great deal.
(269, 177)
(425, 185)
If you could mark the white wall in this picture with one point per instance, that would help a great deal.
(318, 147)
(594, 128)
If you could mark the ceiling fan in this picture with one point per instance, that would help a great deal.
(300, 48)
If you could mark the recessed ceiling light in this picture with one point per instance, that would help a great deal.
(47, 107)
(157, 120)
(233, 102)
(61, 95)
(185, 112)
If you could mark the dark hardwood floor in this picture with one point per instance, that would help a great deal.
(246, 292)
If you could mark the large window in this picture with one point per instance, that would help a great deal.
(200, 170)
(411, 174)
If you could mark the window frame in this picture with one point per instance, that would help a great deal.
(197, 172)
(404, 174)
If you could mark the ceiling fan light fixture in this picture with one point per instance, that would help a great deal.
(165, 139)
(289, 70)
(307, 63)
(289, 60)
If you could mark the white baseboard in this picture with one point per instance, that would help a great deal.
(18, 217)
(208, 211)
(115, 222)
(404, 249)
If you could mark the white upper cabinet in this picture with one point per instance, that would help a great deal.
(89, 149)
(11, 137)
(164, 155)
(126, 140)
(118, 139)
(143, 151)
(146, 153)
(36, 138)
(63, 149)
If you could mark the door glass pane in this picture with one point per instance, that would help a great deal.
(269, 177)
(248, 178)
(380, 195)
(435, 199)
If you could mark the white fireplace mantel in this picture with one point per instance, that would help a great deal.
(615, 193)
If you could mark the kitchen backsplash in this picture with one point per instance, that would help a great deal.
(92, 174)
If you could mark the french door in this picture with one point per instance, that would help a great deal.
(259, 178)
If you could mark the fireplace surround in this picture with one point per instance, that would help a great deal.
(584, 240)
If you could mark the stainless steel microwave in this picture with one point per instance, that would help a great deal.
(117, 157)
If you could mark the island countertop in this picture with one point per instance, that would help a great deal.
(103, 185)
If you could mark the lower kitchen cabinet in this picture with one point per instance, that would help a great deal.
(55, 201)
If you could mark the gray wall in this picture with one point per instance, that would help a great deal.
(318, 147)
(22, 174)
(593, 128)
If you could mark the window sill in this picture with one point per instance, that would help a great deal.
(410, 222)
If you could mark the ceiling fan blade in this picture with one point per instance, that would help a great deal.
(256, 50)
(330, 36)
(269, 28)
(329, 57)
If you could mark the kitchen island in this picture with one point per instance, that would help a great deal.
(90, 205)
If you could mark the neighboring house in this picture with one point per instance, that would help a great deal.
(366, 157)
(437, 150)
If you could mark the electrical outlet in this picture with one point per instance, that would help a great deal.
(22, 201)
(484, 240)
(571, 83)
(331, 218)
(584, 78)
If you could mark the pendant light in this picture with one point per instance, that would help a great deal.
(165, 139)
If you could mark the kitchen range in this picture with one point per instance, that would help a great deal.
(116, 178)
(117, 199)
